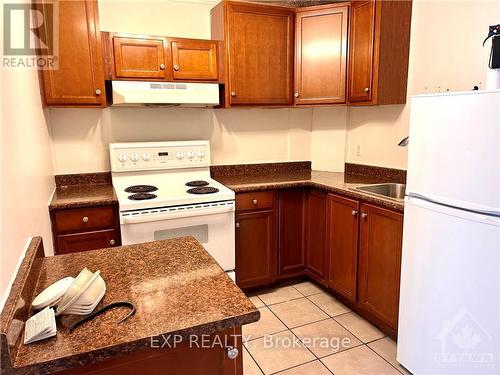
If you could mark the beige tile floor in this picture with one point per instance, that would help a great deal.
(305, 331)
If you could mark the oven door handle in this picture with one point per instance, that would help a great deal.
(145, 218)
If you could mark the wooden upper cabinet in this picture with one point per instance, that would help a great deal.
(194, 59)
(321, 54)
(139, 57)
(79, 79)
(361, 51)
(379, 263)
(378, 51)
(260, 56)
(343, 214)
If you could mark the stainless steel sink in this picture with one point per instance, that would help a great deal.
(390, 190)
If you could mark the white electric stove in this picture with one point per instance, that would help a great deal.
(165, 191)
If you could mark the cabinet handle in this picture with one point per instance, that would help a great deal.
(354, 212)
(85, 219)
(232, 352)
(237, 225)
(296, 94)
(176, 67)
(254, 201)
(112, 242)
(233, 93)
(364, 215)
(367, 89)
(98, 92)
(162, 66)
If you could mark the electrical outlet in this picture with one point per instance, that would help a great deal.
(358, 150)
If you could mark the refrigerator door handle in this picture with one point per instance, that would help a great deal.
(430, 200)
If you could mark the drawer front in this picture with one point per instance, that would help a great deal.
(83, 219)
(258, 200)
(71, 243)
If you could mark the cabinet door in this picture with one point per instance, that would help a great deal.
(321, 56)
(260, 54)
(255, 248)
(361, 51)
(79, 78)
(316, 234)
(71, 243)
(380, 263)
(343, 245)
(194, 59)
(139, 58)
(291, 231)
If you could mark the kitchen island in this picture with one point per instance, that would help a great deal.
(188, 316)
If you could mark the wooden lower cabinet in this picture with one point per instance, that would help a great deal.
(70, 243)
(316, 234)
(379, 264)
(183, 359)
(351, 247)
(343, 224)
(256, 248)
(81, 229)
(292, 207)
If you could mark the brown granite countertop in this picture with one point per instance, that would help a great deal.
(332, 182)
(176, 286)
(77, 196)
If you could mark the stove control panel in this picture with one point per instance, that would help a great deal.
(159, 155)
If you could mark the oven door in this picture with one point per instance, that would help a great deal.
(211, 224)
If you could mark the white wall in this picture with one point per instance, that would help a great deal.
(328, 135)
(445, 53)
(27, 176)
(180, 18)
(81, 137)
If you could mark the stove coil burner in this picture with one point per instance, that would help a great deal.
(196, 183)
(203, 190)
(141, 189)
(141, 196)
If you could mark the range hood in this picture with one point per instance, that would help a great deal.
(134, 93)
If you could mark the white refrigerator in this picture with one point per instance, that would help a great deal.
(449, 313)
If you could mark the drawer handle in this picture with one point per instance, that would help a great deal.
(112, 242)
(254, 201)
(162, 66)
(98, 92)
(85, 219)
(354, 212)
(233, 93)
(237, 225)
(176, 68)
(232, 352)
(367, 89)
(364, 215)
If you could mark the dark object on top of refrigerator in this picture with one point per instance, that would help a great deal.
(494, 33)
